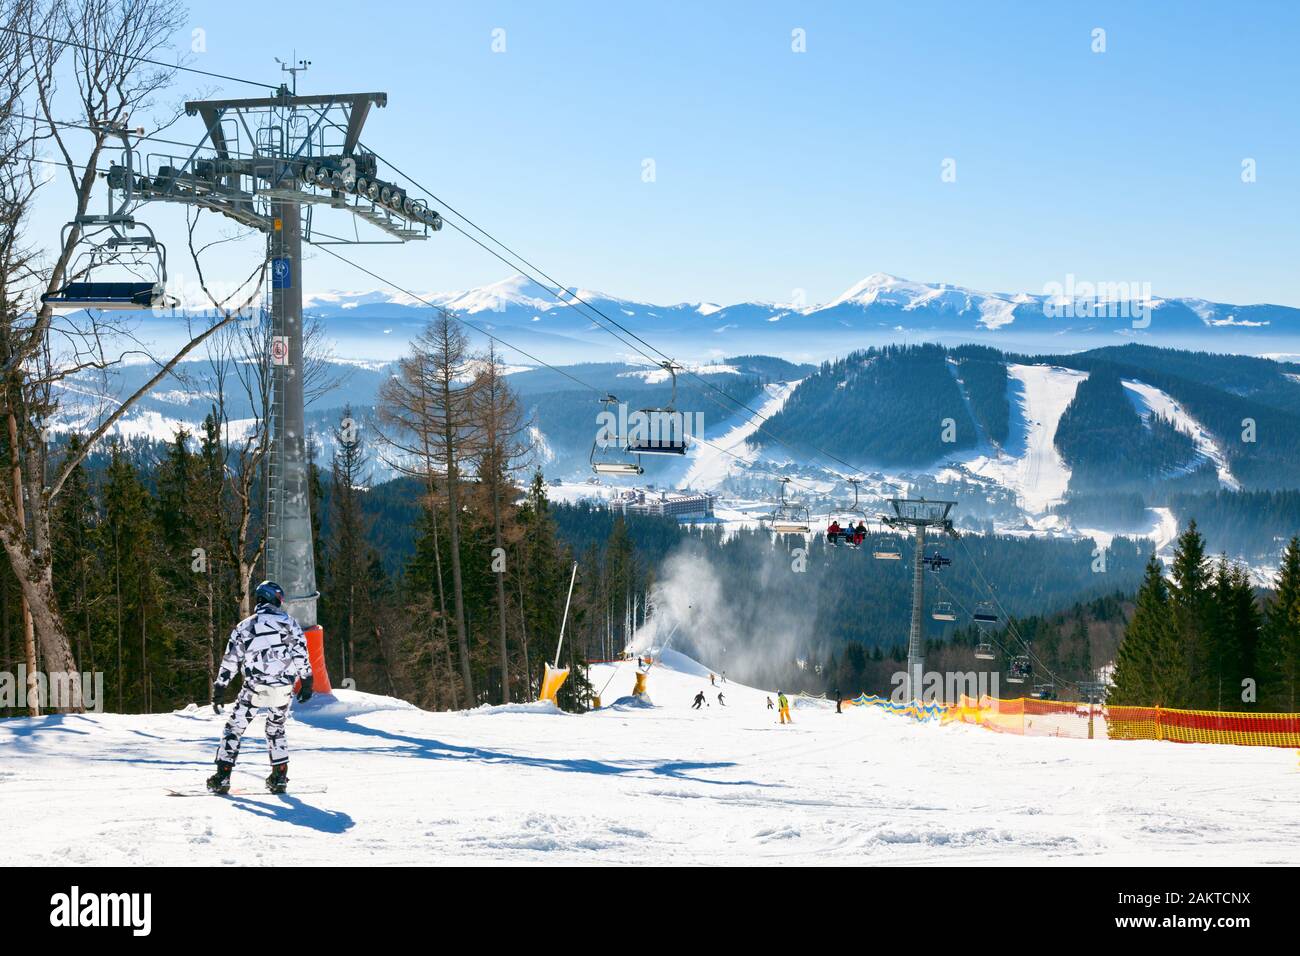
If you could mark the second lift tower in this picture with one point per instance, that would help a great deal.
(918, 514)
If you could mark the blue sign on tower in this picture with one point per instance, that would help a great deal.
(281, 274)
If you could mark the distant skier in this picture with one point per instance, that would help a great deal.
(724, 677)
(721, 701)
(769, 703)
(712, 681)
(783, 705)
(837, 701)
(269, 649)
(699, 701)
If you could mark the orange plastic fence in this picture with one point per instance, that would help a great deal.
(1052, 718)
(1025, 715)
(1204, 726)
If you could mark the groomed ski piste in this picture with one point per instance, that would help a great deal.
(634, 783)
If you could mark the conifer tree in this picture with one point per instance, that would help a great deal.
(1192, 610)
(77, 572)
(1278, 662)
(140, 648)
(346, 557)
(1146, 656)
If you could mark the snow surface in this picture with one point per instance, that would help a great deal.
(713, 460)
(1149, 400)
(1030, 464)
(656, 376)
(633, 784)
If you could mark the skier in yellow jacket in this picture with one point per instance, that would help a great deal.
(783, 705)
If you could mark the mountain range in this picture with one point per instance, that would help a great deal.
(579, 324)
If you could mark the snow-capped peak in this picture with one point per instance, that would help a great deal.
(880, 287)
(513, 290)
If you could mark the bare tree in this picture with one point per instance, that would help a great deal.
(427, 410)
(108, 53)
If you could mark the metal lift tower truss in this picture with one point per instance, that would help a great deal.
(919, 515)
(266, 163)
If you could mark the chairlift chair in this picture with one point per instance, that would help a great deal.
(884, 547)
(984, 613)
(605, 463)
(118, 264)
(850, 514)
(1020, 668)
(657, 444)
(790, 517)
(936, 561)
(1044, 691)
(984, 651)
(943, 611)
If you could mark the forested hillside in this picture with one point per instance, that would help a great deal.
(1251, 406)
(1110, 448)
(1200, 638)
(884, 407)
(983, 374)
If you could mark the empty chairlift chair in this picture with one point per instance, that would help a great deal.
(666, 427)
(984, 651)
(119, 265)
(603, 461)
(790, 517)
(984, 613)
(886, 548)
(943, 611)
(117, 262)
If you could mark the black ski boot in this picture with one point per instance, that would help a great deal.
(219, 782)
(278, 782)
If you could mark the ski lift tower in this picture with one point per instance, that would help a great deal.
(919, 515)
(267, 163)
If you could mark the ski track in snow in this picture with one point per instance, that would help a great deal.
(634, 785)
(1149, 400)
(711, 463)
(1038, 474)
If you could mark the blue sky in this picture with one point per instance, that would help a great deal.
(779, 171)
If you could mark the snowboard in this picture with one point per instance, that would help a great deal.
(244, 792)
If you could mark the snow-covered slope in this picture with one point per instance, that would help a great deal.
(1030, 464)
(632, 785)
(1149, 401)
(726, 448)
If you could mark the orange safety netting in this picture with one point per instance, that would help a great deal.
(1027, 716)
(1051, 718)
(1204, 726)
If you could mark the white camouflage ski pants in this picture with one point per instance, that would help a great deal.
(241, 713)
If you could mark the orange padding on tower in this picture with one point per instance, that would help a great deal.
(1052, 718)
(320, 682)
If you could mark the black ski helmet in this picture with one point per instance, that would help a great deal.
(268, 592)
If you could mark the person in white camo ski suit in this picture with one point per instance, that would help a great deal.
(269, 649)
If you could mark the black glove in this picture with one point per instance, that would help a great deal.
(304, 690)
(218, 697)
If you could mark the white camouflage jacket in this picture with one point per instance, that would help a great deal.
(268, 648)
